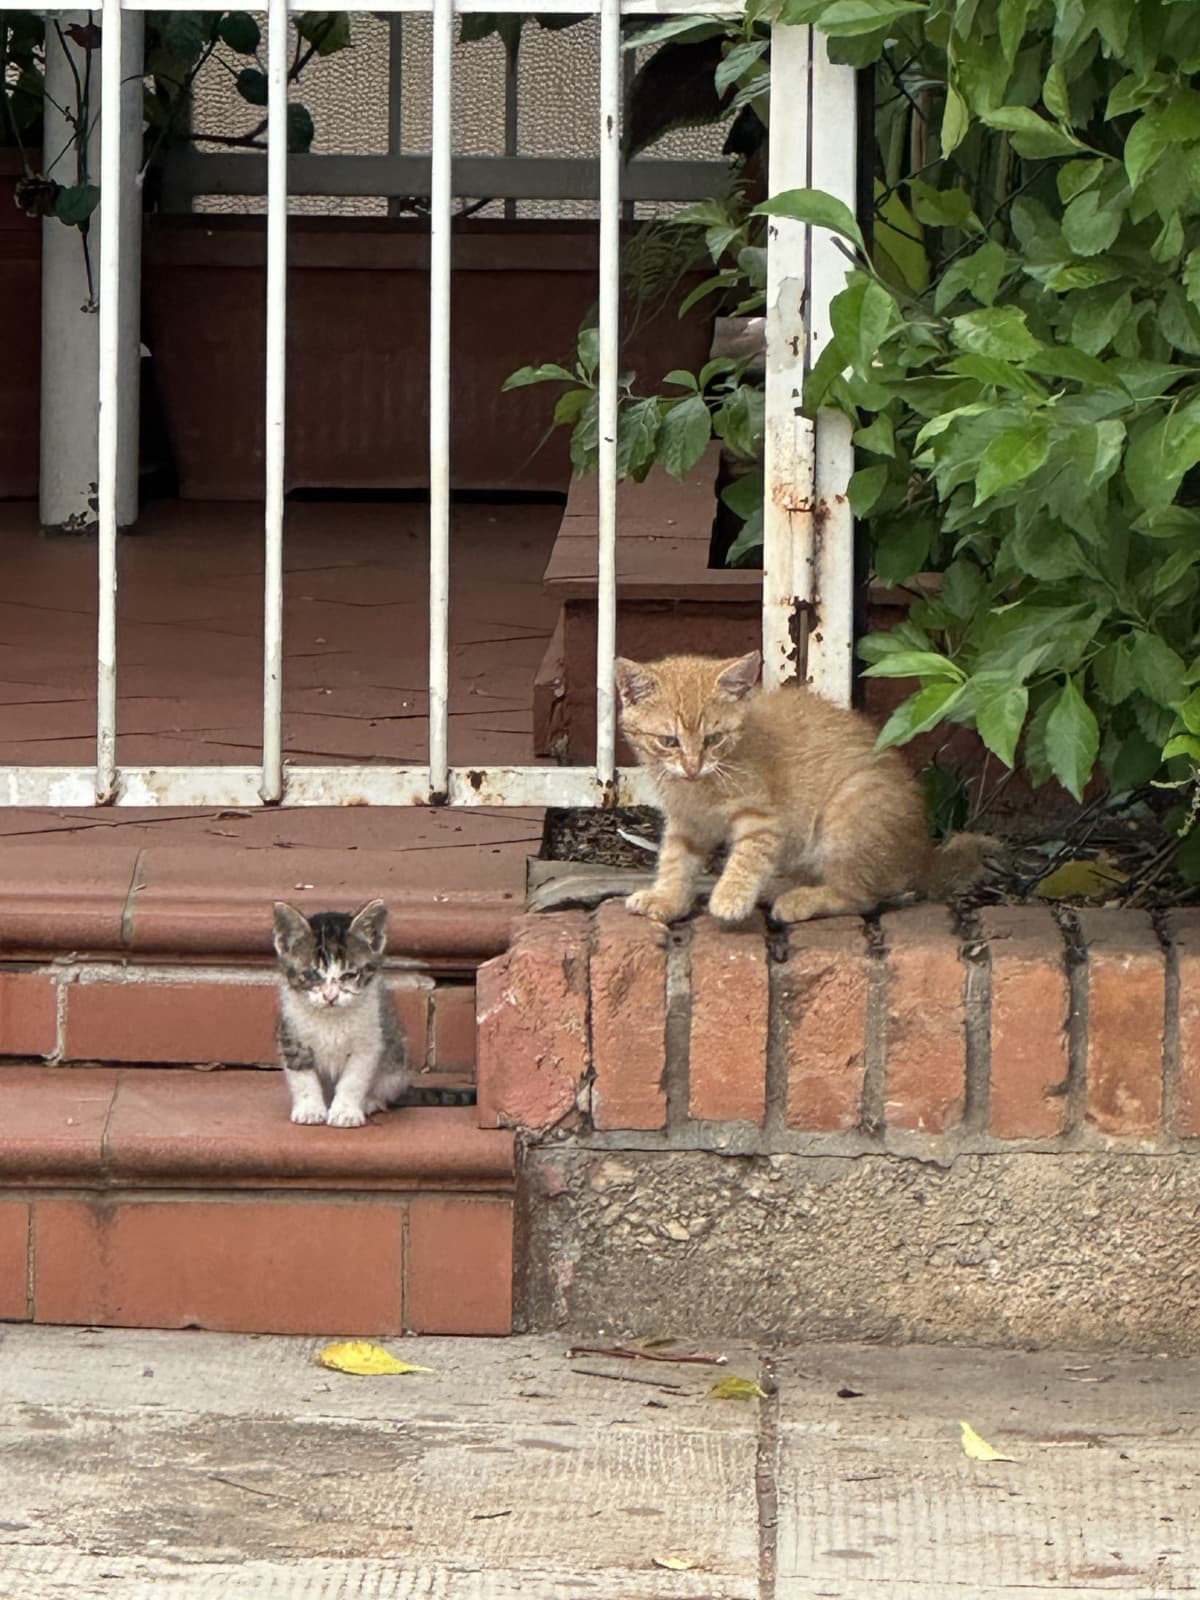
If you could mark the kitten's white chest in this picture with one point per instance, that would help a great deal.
(336, 1035)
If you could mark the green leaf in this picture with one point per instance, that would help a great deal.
(1191, 276)
(1032, 136)
(862, 316)
(903, 549)
(1158, 457)
(1183, 744)
(1000, 716)
(919, 713)
(943, 208)
(240, 32)
(1077, 176)
(744, 495)
(327, 31)
(585, 437)
(637, 434)
(1147, 141)
(1011, 457)
(737, 60)
(739, 419)
(734, 1388)
(879, 437)
(1189, 712)
(865, 487)
(183, 34)
(746, 548)
(683, 380)
(915, 664)
(956, 119)
(815, 208)
(588, 350)
(1055, 97)
(300, 129)
(720, 280)
(980, 274)
(1072, 740)
(569, 404)
(1158, 671)
(252, 86)
(548, 372)
(75, 205)
(1090, 224)
(684, 433)
(1001, 331)
(1113, 671)
(1169, 245)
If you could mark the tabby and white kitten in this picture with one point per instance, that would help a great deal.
(341, 1044)
(791, 783)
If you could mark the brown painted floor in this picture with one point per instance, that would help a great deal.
(189, 687)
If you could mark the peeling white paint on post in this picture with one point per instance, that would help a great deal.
(610, 355)
(834, 168)
(274, 441)
(440, 203)
(788, 440)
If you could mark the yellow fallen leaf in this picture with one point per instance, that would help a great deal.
(673, 1563)
(979, 1449)
(364, 1360)
(732, 1388)
(1081, 880)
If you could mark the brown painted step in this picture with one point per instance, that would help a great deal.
(143, 1197)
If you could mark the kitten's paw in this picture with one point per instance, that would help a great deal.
(309, 1115)
(731, 905)
(346, 1117)
(650, 903)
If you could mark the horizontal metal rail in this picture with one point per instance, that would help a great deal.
(476, 177)
(224, 788)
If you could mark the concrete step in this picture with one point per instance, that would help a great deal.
(162, 1197)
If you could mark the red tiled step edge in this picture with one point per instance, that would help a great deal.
(107, 900)
(113, 1126)
(143, 1198)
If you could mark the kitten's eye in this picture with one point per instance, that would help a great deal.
(351, 974)
(712, 738)
(668, 741)
(310, 976)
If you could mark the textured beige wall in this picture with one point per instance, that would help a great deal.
(348, 97)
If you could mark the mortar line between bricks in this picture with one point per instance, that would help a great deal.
(778, 1031)
(130, 893)
(766, 1479)
(874, 1093)
(677, 1030)
(1076, 961)
(977, 1021)
(1171, 1038)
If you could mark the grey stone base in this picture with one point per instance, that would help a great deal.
(1084, 1251)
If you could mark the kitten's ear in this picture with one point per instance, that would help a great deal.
(634, 682)
(291, 928)
(737, 678)
(370, 925)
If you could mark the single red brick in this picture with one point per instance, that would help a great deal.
(285, 1265)
(1031, 1006)
(411, 1001)
(727, 1058)
(926, 1073)
(1184, 929)
(28, 1014)
(454, 1027)
(533, 1026)
(629, 1019)
(824, 994)
(14, 1260)
(143, 1020)
(460, 1266)
(1126, 1008)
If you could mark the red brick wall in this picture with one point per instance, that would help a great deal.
(900, 1033)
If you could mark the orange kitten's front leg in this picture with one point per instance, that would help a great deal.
(755, 840)
(679, 865)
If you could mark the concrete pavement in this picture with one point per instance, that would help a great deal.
(140, 1465)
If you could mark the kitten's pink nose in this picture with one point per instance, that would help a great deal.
(329, 994)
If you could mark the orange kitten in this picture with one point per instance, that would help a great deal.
(792, 783)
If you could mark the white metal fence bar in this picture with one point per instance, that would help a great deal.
(275, 437)
(788, 437)
(108, 431)
(559, 8)
(610, 355)
(834, 167)
(441, 199)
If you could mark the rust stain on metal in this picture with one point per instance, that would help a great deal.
(439, 797)
(785, 496)
(612, 795)
(476, 779)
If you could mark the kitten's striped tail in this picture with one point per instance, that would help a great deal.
(417, 1095)
(959, 863)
